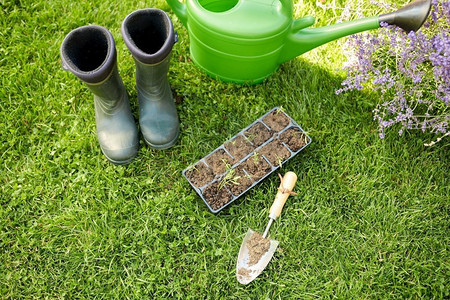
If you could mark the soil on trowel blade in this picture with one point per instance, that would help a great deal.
(243, 272)
(257, 246)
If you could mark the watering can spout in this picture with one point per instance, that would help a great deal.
(301, 39)
(179, 9)
(410, 17)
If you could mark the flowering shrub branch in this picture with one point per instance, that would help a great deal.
(411, 71)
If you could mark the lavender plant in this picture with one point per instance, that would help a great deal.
(410, 70)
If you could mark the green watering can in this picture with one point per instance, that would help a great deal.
(245, 41)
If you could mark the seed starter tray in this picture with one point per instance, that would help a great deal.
(246, 159)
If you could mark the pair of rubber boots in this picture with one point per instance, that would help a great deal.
(89, 52)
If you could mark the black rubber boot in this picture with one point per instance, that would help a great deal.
(89, 52)
(149, 35)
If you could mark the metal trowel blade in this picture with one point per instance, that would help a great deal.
(246, 270)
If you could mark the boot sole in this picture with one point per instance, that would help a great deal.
(119, 162)
(164, 146)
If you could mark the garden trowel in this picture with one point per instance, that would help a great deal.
(256, 250)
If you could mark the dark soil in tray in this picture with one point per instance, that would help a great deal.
(239, 147)
(219, 160)
(275, 152)
(256, 166)
(276, 120)
(216, 195)
(200, 175)
(240, 163)
(258, 134)
(240, 183)
(294, 138)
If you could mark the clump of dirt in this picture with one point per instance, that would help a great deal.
(276, 120)
(244, 272)
(217, 196)
(258, 134)
(240, 183)
(256, 166)
(200, 175)
(257, 246)
(275, 152)
(239, 147)
(293, 138)
(218, 161)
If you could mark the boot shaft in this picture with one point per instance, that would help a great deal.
(149, 35)
(110, 93)
(89, 53)
(152, 81)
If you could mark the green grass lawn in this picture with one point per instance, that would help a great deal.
(371, 219)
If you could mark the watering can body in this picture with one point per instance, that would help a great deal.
(245, 41)
(229, 40)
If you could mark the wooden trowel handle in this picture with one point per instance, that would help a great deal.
(286, 186)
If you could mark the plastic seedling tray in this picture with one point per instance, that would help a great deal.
(246, 159)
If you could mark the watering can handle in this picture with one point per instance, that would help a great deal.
(302, 23)
(179, 9)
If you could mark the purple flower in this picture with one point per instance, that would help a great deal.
(410, 70)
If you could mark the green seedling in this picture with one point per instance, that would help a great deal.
(229, 178)
(279, 160)
(302, 136)
(193, 169)
(250, 137)
(225, 161)
(279, 110)
(255, 158)
(305, 138)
